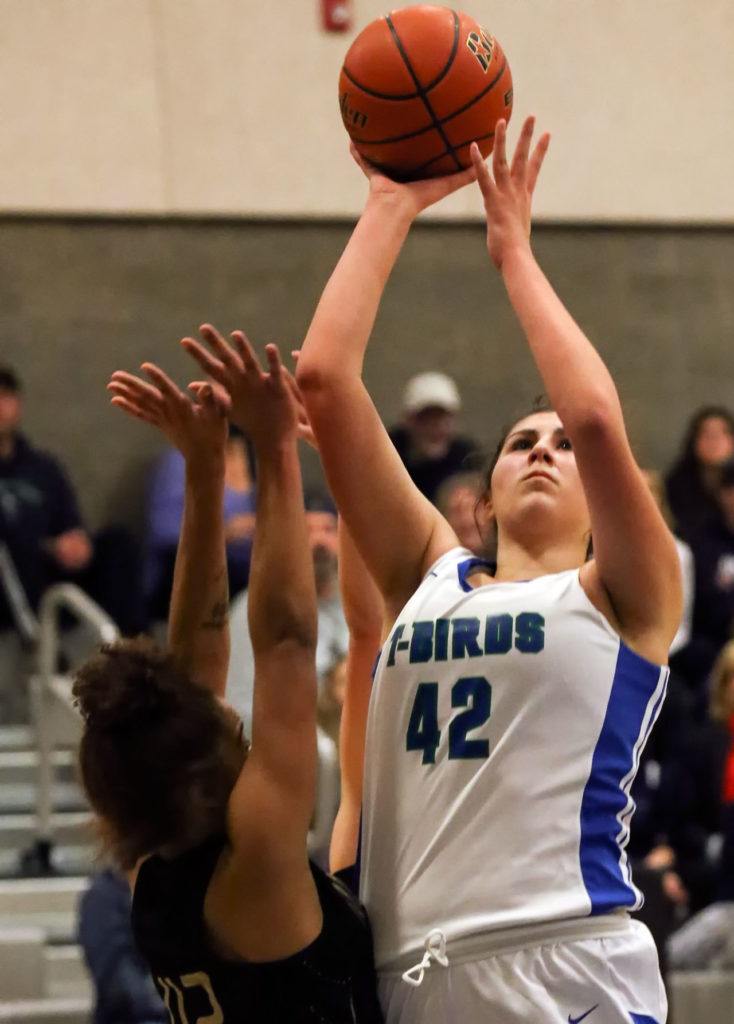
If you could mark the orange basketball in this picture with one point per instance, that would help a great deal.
(418, 86)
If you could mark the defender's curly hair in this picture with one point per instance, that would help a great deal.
(159, 754)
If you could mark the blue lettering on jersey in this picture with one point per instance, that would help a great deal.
(421, 645)
(464, 638)
(498, 634)
(394, 641)
(467, 637)
(530, 632)
(442, 639)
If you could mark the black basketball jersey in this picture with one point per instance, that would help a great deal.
(331, 981)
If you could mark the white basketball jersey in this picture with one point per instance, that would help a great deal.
(505, 729)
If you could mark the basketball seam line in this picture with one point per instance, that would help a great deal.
(460, 145)
(480, 95)
(422, 94)
(452, 56)
(404, 138)
(379, 95)
(411, 95)
(442, 120)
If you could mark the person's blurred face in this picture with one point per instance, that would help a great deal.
(323, 540)
(431, 430)
(11, 409)
(714, 441)
(322, 531)
(337, 683)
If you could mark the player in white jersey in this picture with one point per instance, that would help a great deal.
(510, 705)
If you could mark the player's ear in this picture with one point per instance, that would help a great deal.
(484, 509)
(484, 516)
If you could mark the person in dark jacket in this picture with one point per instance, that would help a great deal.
(124, 989)
(428, 441)
(692, 482)
(42, 539)
(713, 611)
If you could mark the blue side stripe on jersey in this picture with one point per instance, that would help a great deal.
(642, 1018)
(606, 806)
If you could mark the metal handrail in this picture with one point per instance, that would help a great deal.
(58, 598)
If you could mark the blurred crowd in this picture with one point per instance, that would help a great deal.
(683, 840)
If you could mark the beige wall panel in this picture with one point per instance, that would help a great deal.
(78, 106)
(229, 106)
(639, 96)
(251, 106)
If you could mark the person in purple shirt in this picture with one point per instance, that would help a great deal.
(165, 510)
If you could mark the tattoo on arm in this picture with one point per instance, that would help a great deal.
(218, 616)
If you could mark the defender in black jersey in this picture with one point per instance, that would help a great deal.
(331, 979)
(234, 921)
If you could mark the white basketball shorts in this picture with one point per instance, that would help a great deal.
(612, 979)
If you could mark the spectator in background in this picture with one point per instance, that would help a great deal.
(165, 509)
(707, 939)
(427, 440)
(124, 989)
(458, 500)
(722, 712)
(40, 524)
(713, 550)
(655, 483)
(333, 635)
(692, 482)
(331, 697)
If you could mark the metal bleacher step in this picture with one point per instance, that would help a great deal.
(46, 1011)
(17, 737)
(49, 905)
(68, 861)
(68, 828)
(21, 797)
(25, 897)
(21, 766)
(66, 973)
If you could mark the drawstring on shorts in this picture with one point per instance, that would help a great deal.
(435, 946)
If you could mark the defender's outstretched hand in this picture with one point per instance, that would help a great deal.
(197, 428)
(263, 405)
(508, 190)
(412, 196)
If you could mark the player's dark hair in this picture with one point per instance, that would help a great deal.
(159, 755)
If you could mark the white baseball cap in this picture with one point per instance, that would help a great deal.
(427, 389)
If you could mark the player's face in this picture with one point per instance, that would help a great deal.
(536, 475)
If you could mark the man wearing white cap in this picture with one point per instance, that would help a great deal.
(427, 440)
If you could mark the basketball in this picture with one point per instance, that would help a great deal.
(418, 86)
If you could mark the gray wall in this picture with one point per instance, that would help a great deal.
(81, 298)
